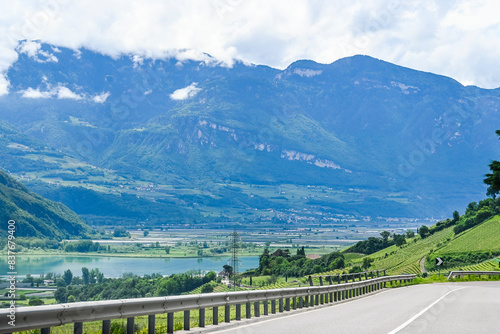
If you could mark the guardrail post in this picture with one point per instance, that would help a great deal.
(170, 323)
(346, 278)
(287, 304)
(238, 311)
(273, 306)
(248, 310)
(310, 281)
(384, 272)
(106, 326)
(256, 309)
(294, 303)
(338, 278)
(227, 313)
(322, 298)
(45, 330)
(330, 280)
(201, 320)
(301, 302)
(78, 328)
(187, 320)
(151, 324)
(130, 325)
(281, 305)
(321, 281)
(215, 315)
(366, 276)
(266, 307)
(316, 300)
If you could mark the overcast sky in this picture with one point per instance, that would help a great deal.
(460, 39)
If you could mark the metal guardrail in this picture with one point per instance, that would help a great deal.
(453, 274)
(45, 317)
(345, 277)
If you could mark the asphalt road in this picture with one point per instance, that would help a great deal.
(472, 307)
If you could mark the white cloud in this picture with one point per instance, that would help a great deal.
(31, 48)
(186, 92)
(34, 50)
(101, 98)
(32, 93)
(66, 93)
(453, 38)
(4, 85)
(59, 92)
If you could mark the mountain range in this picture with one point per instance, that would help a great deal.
(131, 139)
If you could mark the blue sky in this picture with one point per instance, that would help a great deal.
(459, 39)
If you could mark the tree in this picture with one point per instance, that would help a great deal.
(60, 295)
(410, 234)
(367, 262)
(423, 231)
(167, 249)
(68, 277)
(493, 179)
(145, 233)
(86, 275)
(385, 235)
(456, 216)
(35, 301)
(228, 269)
(399, 239)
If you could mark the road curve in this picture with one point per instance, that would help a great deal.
(470, 307)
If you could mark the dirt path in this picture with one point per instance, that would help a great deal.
(422, 265)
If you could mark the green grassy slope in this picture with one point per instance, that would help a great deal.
(481, 238)
(485, 237)
(35, 215)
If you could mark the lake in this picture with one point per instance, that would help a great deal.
(115, 266)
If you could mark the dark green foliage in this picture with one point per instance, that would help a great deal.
(297, 265)
(36, 216)
(83, 246)
(423, 231)
(134, 287)
(367, 262)
(493, 179)
(399, 239)
(355, 269)
(459, 259)
(207, 288)
(120, 232)
(371, 245)
(477, 213)
(68, 277)
(385, 235)
(35, 301)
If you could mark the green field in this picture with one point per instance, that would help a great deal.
(485, 237)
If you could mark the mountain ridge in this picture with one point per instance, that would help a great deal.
(357, 123)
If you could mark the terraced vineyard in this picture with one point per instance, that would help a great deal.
(491, 265)
(407, 259)
(485, 237)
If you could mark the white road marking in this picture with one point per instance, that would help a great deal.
(422, 312)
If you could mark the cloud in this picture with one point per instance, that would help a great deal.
(60, 92)
(32, 93)
(66, 93)
(453, 38)
(186, 92)
(34, 50)
(101, 98)
(4, 85)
